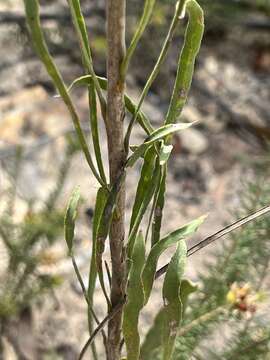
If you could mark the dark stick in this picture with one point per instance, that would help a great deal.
(110, 316)
(226, 230)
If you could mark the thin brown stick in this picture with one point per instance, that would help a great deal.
(100, 327)
(226, 230)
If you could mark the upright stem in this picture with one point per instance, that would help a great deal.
(114, 128)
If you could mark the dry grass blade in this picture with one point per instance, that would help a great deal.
(226, 230)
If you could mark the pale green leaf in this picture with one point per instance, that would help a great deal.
(157, 135)
(189, 52)
(164, 153)
(146, 188)
(135, 300)
(171, 295)
(70, 217)
(163, 244)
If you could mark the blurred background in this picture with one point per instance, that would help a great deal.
(220, 166)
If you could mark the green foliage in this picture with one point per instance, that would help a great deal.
(27, 241)
(225, 296)
(173, 238)
(173, 335)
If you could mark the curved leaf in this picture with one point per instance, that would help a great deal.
(192, 43)
(154, 338)
(158, 134)
(149, 270)
(129, 104)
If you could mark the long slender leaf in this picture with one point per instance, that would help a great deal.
(145, 178)
(140, 28)
(79, 23)
(145, 191)
(135, 300)
(70, 217)
(158, 211)
(149, 270)
(157, 135)
(101, 199)
(94, 129)
(192, 43)
(171, 295)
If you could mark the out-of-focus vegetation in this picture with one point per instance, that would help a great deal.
(233, 289)
(27, 240)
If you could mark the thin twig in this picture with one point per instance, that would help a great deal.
(83, 288)
(89, 306)
(109, 317)
(226, 230)
(108, 272)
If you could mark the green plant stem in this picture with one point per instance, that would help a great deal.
(77, 271)
(33, 19)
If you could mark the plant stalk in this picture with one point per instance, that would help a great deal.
(115, 13)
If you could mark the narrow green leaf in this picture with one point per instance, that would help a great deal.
(146, 188)
(158, 211)
(154, 339)
(145, 178)
(157, 135)
(94, 129)
(101, 199)
(129, 104)
(135, 300)
(171, 239)
(70, 217)
(192, 43)
(171, 295)
(80, 26)
(140, 28)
